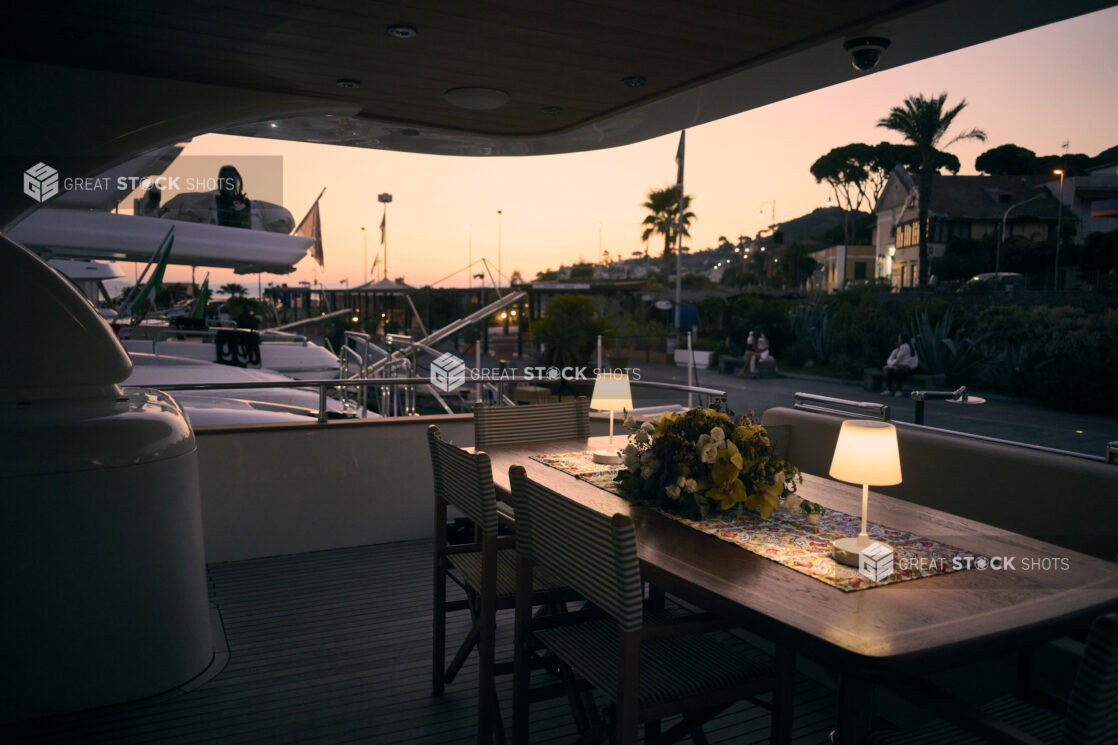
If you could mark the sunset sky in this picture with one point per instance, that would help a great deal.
(1037, 89)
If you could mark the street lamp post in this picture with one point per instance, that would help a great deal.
(470, 260)
(365, 260)
(498, 250)
(1059, 224)
(1001, 240)
(761, 212)
(599, 240)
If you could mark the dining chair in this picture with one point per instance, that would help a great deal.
(509, 425)
(1089, 717)
(650, 664)
(485, 569)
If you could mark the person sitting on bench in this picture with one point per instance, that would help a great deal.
(902, 362)
(760, 352)
(749, 353)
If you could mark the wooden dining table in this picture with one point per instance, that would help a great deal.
(1031, 592)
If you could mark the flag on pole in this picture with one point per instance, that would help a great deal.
(199, 310)
(383, 224)
(679, 229)
(679, 171)
(311, 227)
(146, 297)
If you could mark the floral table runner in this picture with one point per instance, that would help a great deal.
(790, 540)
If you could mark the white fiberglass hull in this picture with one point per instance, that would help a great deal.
(292, 359)
(230, 406)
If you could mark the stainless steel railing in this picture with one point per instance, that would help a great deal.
(828, 405)
(209, 334)
(712, 395)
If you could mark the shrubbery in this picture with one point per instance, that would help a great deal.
(1061, 356)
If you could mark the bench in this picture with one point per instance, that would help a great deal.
(727, 364)
(873, 380)
(1067, 500)
(765, 368)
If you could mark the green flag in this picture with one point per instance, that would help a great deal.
(146, 297)
(199, 310)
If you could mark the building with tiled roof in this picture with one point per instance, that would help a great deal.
(961, 207)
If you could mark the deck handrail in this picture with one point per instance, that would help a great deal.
(829, 405)
(323, 384)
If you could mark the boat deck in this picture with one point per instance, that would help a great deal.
(334, 647)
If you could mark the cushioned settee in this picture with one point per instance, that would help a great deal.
(1063, 499)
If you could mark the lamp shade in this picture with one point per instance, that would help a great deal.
(611, 392)
(866, 453)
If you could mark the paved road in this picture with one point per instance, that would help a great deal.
(1001, 416)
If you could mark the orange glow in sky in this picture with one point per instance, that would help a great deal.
(1037, 89)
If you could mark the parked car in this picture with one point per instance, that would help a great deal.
(990, 281)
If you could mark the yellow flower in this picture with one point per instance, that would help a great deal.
(665, 422)
(767, 499)
(727, 464)
(727, 494)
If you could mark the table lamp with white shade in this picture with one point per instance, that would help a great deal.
(866, 453)
(611, 393)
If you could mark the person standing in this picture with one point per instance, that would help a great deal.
(902, 362)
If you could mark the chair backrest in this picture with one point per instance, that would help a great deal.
(508, 425)
(464, 480)
(1092, 715)
(595, 554)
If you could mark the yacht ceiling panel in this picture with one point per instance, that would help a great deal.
(561, 63)
(572, 54)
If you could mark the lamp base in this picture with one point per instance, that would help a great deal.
(607, 457)
(846, 550)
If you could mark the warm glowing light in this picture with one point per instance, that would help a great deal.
(867, 453)
(1058, 172)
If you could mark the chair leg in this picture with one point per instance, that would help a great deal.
(487, 641)
(438, 634)
(438, 655)
(698, 737)
(574, 700)
(521, 679)
(783, 696)
(462, 654)
(628, 680)
(498, 720)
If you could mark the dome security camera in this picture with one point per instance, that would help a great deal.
(865, 51)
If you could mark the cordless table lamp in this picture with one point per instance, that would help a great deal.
(611, 393)
(866, 453)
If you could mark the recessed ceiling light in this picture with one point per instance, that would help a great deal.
(348, 83)
(552, 109)
(633, 81)
(477, 99)
(402, 31)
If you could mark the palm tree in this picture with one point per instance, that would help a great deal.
(234, 289)
(663, 218)
(924, 123)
